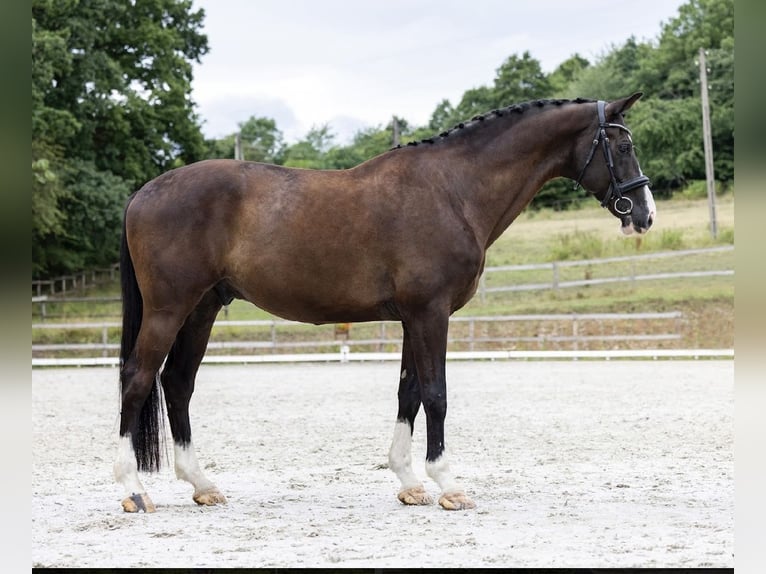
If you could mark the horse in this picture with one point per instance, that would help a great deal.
(400, 237)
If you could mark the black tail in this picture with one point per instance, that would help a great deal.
(146, 438)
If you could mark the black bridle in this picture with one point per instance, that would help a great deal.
(622, 205)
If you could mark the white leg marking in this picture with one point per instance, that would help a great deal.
(187, 467)
(400, 455)
(126, 467)
(439, 471)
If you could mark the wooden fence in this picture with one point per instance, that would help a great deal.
(573, 332)
(44, 288)
(625, 269)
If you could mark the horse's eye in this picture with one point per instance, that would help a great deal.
(624, 147)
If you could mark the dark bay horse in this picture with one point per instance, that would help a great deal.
(401, 237)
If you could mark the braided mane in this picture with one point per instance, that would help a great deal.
(487, 117)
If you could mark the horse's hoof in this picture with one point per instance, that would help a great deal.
(209, 497)
(138, 503)
(456, 501)
(415, 496)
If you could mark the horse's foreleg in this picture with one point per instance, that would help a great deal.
(428, 335)
(400, 455)
(178, 378)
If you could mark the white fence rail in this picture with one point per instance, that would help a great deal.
(275, 340)
(556, 268)
(345, 356)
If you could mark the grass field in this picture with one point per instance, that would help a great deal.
(544, 236)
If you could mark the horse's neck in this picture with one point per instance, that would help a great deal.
(510, 168)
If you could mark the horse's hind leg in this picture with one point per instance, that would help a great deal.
(400, 455)
(138, 375)
(177, 379)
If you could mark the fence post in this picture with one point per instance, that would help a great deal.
(471, 334)
(633, 273)
(104, 341)
(483, 287)
(575, 333)
(382, 336)
(273, 336)
(555, 275)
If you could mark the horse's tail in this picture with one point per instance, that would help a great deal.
(146, 438)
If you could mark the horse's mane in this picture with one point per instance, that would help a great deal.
(491, 116)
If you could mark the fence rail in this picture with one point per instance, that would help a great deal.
(556, 268)
(345, 356)
(575, 332)
(48, 287)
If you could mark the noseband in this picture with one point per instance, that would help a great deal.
(622, 205)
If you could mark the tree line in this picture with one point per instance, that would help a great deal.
(112, 108)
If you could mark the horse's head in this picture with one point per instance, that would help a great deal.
(610, 170)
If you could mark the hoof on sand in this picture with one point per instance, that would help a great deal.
(456, 501)
(209, 497)
(415, 496)
(138, 503)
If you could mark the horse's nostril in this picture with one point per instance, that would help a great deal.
(650, 220)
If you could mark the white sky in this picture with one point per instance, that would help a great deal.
(355, 63)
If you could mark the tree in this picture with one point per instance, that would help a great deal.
(442, 116)
(474, 101)
(310, 152)
(127, 82)
(616, 74)
(261, 140)
(49, 126)
(520, 80)
(565, 74)
(89, 235)
(111, 97)
(367, 143)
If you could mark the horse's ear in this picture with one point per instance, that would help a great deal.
(622, 105)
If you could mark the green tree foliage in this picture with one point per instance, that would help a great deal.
(89, 235)
(367, 143)
(520, 79)
(566, 74)
(311, 152)
(111, 87)
(261, 140)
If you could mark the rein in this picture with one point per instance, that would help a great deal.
(622, 205)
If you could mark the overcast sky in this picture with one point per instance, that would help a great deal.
(355, 63)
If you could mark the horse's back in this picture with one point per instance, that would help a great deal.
(311, 245)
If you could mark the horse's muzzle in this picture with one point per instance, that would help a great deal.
(632, 222)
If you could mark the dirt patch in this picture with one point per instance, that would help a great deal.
(572, 464)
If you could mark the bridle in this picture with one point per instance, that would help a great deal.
(622, 205)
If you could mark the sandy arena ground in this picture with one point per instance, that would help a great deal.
(571, 464)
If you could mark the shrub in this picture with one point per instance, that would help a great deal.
(577, 245)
